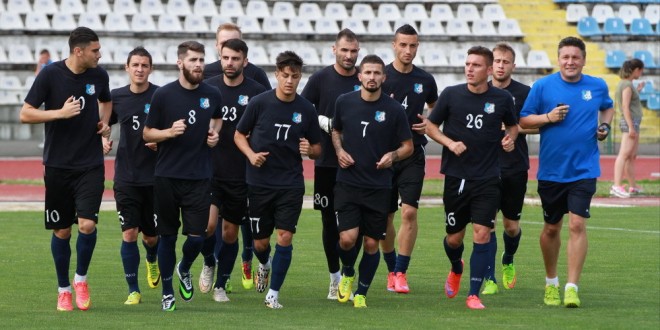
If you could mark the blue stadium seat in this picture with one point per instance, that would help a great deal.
(647, 90)
(614, 59)
(653, 103)
(614, 26)
(588, 27)
(646, 57)
(641, 27)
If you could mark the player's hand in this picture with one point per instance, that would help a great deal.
(107, 145)
(386, 161)
(559, 113)
(457, 147)
(178, 127)
(632, 133)
(603, 131)
(71, 108)
(420, 128)
(152, 145)
(212, 138)
(345, 160)
(257, 159)
(103, 129)
(507, 143)
(304, 147)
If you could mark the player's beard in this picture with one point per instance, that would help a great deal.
(191, 78)
(371, 89)
(233, 75)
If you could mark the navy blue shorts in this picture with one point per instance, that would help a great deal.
(514, 187)
(274, 208)
(363, 208)
(135, 208)
(72, 194)
(190, 198)
(469, 201)
(408, 180)
(231, 199)
(559, 198)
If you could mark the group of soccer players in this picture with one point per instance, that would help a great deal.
(218, 150)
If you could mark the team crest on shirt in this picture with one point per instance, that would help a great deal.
(90, 89)
(419, 88)
(489, 108)
(146, 108)
(380, 116)
(204, 102)
(243, 99)
(586, 95)
(356, 87)
(297, 118)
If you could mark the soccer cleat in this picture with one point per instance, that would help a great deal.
(186, 289)
(508, 276)
(551, 296)
(345, 288)
(453, 283)
(635, 191)
(401, 283)
(332, 289)
(168, 303)
(473, 302)
(206, 279)
(82, 295)
(619, 191)
(360, 301)
(271, 302)
(490, 287)
(571, 299)
(220, 295)
(391, 278)
(246, 279)
(153, 274)
(262, 278)
(64, 301)
(134, 298)
(228, 286)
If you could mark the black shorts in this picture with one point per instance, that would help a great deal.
(324, 186)
(135, 208)
(514, 187)
(72, 194)
(231, 199)
(468, 201)
(559, 198)
(190, 198)
(274, 208)
(408, 180)
(363, 208)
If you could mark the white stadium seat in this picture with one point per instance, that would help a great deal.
(152, 7)
(231, 8)
(37, 21)
(628, 13)
(385, 53)
(249, 24)
(284, 9)
(379, 26)
(20, 54)
(72, 7)
(91, 20)
(180, 8)
(389, 11)
(205, 8)
(602, 12)
(468, 12)
(273, 24)
(19, 6)
(362, 11)
(116, 22)
(11, 21)
(101, 7)
(435, 57)
(538, 59)
(458, 27)
(63, 22)
(432, 27)
(309, 11)
(219, 20)
(45, 6)
(415, 11)
(169, 23)
(355, 25)
(575, 11)
(257, 8)
(301, 25)
(509, 28)
(309, 55)
(194, 23)
(143, 23)
(326, 26)
(257, 55)
(483, 28)
(336, 10)
(125, 7)
(442, 11)
(493, 12)
(457, 57)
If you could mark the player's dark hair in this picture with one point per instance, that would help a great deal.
(505, 47)
(138, 51)
(406, 29)
(371, 59)
(81, 37)
(346, 34)
(236, 45)
(482, 51)
(185, 46)
(575, 42)
(288, 59)
(629, 66)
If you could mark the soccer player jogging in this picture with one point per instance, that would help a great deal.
(414, 88)
(184, 119)
(134, 172)
(513, 173)
(322, 89)
(76, 96)
(281, 126)
(472, 115)
(566, 107)
(228, 187)
(370, 134)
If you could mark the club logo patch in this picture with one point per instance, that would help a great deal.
(380, 116)
(356, 87)
(419, 88)
(243, 100)
(489, 108)
(586, 95)
(146, 108)
(90, 89)
(297, 118)
(204, 102)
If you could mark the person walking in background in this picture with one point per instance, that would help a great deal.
(628, 103)
(42, 61)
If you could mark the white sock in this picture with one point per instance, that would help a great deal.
(272, 294)
(571, 285)
(79, 278)
(67, 289)
(552, 281)
(335, 277)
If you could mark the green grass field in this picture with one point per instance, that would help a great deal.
(620, 287)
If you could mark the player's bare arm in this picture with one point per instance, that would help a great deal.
(31, 115)
(404, 151)
(159, 135)
(556, 115)
(213, 137)
(105, 111)
(435, 133)
(509, 138)
(256, 158)
(345, 160)
(312, 151)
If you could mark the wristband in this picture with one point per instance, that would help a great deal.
(549, 120)
(605, 127)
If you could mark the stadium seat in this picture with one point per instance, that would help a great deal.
(509, 28)
(11, 21)
(415, 11)
(101, 7)
(92, 21)
(435, 57)
(493, 12)
(403, 21)
(257, 8)
(117, 81)
(116, 22)
(389, 11)
(309, 55)
(125, 7)
(219, 20)
(284, 10)
(628, 13)
(152, 7)
(379, 26)
(72, 7)
(614, 59)
(273, 25)
(171, 54)
(61, 22)
(248, 24)
(309, 11)
(457, 57)
(362, 11)
(180, 8)
(641, 27)
(614, 26)
(335, 10)
(37, 21)
(19, 6)
(458, 27)
(45, 6)
(210, 57)
(385, 53)
(538, 59)
(653, 103)
(231, 8)
(157, 56)
(194, 23)
(468, 12)
(301, 25)
(29, 81)
(3, 55)
(520, 59)
(652, 13)
(206, 8)
(575, 11)
(143, 23)
(326, 26)
(588, 27)
(483, 28)
(257, 55)
(602, 12)
(646, 57)
(355, 25)
(647, 90)
(431, 27)
(19, 53)
(327, 57)
(442, 12)
(274, 51)
(54, 52)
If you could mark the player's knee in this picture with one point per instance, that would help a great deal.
(64, 233)
(86, 226)
(284, 237)
(150, 240)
